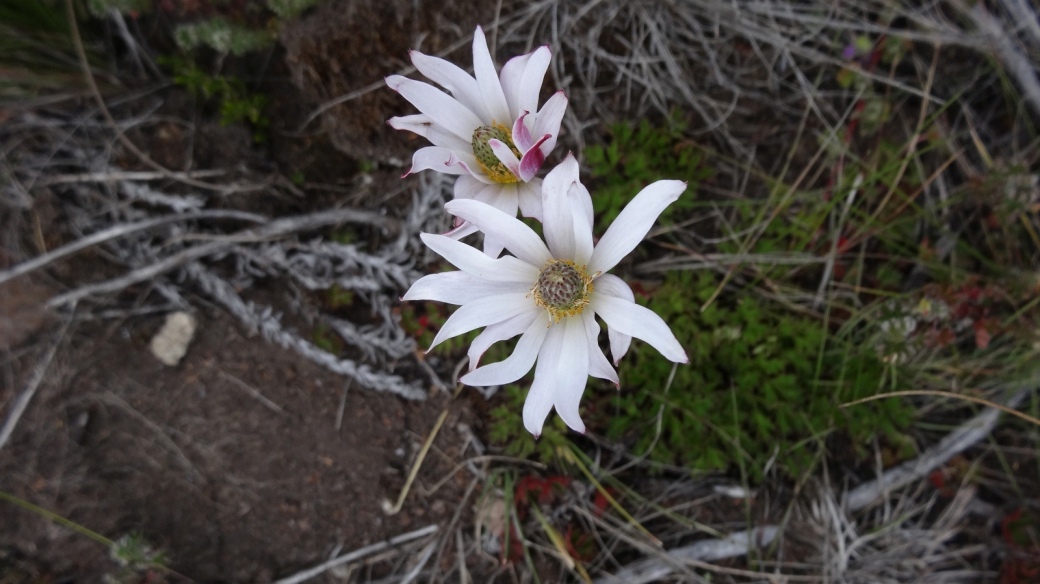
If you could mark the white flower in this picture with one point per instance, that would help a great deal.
(549, 295)
(487, 131)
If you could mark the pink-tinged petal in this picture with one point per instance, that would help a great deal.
(532, 78)
(511, 75)
(613, 286)
(487, 80)
(422, 125)
(416, 123)
(505, 156)
(468, 259)
(462, 229)
(449, 76)
(572, 373)
(459, 288)
(517, 237)
(639, 322)
(469, 166)
(599, 367)
(532, 162)
(633, 223)
(483, 312)
(549, 119)
(516, 365)
(558, 219)
(529, 197)
(434, 158)
(501, 331)
(443, 109)
(539, 400)
(521, 135)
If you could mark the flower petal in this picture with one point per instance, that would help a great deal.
(503, 198)
(632, 224)
(529, 197)
(549, 119)
(462, 229)
(501, 331)
(532, 78)
(572, 373)
(467, 187)
(516, 365)
(539, 400)
(511, 76)
(564, 217)
(459, 288)
(613, 286)
(451, 77)
(483, 312)
(487, 80)
(467, 259)
(521, 135)
(532, 161)
(639, 322)
(598, 364)
(422, 125)
(434, 158)
(505, 156)
(517, 237)
(443, 109)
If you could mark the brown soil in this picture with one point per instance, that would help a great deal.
(184, 455)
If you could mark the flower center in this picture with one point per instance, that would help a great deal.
(562, 289)
(486, 158)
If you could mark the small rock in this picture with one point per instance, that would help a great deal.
(171, 342)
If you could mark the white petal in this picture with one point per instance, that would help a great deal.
(423, 125)
(572, 373)
(443, 109)
(483, 312)
(463, 229)
(468, 259)
(503, 198)
(517, 237)
(531, 80)
(512, 73)
(613, 286)
(540, 398)
(459, 288)
(467, 187)
(558, 216)
(598, 364)
(639, 322)
(516, 365)
(416, 123)
(501, 331)
(549, 119)
(582, 225)
(487, 80)
(434, 158)
(529, 197)
(449, 76)
(632, 224)
(586, 202)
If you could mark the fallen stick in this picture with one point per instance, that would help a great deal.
(22, 401)
(357, 555)
(277, 228)
(116, 176)
(120, 231)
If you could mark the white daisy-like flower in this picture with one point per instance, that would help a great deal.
(549, 294)
(489, 131)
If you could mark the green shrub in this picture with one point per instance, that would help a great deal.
(636, 157)
(757, 384)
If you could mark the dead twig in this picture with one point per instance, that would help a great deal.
(358, 554)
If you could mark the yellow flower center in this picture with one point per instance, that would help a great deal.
(562, 289)
(486, 158)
